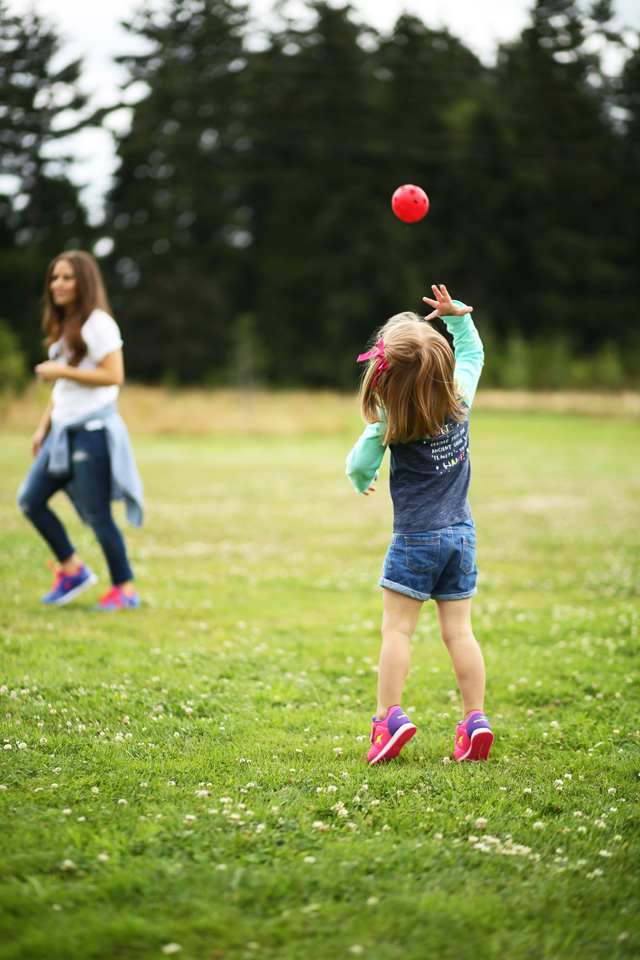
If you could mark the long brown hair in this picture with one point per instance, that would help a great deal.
(91, 295)
(416, 392)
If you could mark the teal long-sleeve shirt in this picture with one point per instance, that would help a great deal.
(366, 456)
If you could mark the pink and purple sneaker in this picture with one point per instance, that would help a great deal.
(389, 736)
(473, 738)
(117, 599)
(68, 586)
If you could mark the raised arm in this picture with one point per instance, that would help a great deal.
(467, 344)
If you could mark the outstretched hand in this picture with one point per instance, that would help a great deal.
(443, 304)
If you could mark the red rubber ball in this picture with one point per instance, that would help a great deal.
(410, 203)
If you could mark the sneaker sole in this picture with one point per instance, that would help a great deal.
(481, 743)
(72, 594)
(395, 745)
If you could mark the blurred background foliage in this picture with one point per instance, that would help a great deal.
(248, 236)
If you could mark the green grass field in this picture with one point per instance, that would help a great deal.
(190, 778)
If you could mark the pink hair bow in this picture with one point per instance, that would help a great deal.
(382, 362)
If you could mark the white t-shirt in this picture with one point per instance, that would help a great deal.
(72, 401)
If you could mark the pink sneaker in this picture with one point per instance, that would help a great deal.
(117, 599)
(389, 736)
(473, 738)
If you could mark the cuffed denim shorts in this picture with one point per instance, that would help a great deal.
(434, 565)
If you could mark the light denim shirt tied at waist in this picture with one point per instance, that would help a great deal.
(125, 480)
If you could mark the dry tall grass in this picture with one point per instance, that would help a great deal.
(198, 411)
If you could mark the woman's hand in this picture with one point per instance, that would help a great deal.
(372, 489)
(49, 371)
(37, 440)
(444, 305)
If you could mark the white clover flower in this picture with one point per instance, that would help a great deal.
(309, 859)
(331, 788)
(446, 759)
(67, 865)
(611, 790)
(122, 803)
(171, 948)
(371, 902)
(103, 857)
(189, 818)
(95, 790)
(605, 853)
(437, 836)
(481, 823)
(582, 829)
(538, 825)
(356, 949)
(221, 866)
(527, 790)
(203, 793)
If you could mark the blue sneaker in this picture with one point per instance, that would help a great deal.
(117, 599)
(68, 586)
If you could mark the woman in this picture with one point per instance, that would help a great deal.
(81, 443)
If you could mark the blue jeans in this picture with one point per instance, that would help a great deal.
(434, 565)
(91, 475)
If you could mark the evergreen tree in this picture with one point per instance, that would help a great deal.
(179, 225)
(562, 180)
(42, 214)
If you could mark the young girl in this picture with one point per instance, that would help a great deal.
(415, 398)
(81, 443)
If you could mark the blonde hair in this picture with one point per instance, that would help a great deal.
(91, 295)
(416, 392)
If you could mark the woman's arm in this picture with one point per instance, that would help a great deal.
(42, 430)
(108, 373)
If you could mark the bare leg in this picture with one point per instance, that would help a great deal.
(71, 565)
(468, 664)
(399, 619)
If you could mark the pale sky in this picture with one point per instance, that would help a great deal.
(92, 31)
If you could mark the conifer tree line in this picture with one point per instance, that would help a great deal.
(252, 238)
